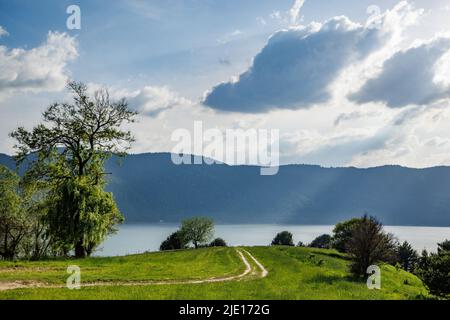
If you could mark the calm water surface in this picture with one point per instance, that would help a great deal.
(138, 238)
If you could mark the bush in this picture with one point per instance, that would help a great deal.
(283, 238)
(322, 242)
(300, 244)
(218, 242)
(175, 241)
(369, 245)
(434, 270)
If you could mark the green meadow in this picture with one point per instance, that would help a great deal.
(293, 273)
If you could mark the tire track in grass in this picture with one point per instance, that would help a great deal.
(248, 268)
(264, 271)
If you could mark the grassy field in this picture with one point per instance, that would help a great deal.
(294, 273)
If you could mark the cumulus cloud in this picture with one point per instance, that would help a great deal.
(408, 77)
(151, 101)
(297, 66)
(3, 32)
(39, 69)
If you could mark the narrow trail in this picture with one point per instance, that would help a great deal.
(247, 272)
(264, 271)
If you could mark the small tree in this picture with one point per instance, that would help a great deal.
(322, 242)
(198, 230)
(13, 224)
(283, 238)
(369, 245)
(434, 270)
(407, 256)
(38, 243)
(342, 233)
(218, 242)
(175, 241)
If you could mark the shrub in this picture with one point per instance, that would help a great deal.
(322, 242)
(434, 270)
(283, 238)
(218, 242)
(300, 244)
(175, 241)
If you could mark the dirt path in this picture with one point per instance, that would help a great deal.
(248, 268)
(264, 271)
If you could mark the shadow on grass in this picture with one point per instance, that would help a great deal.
(332, 254)
(330, 279)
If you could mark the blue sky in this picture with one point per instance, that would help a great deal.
(176, 53)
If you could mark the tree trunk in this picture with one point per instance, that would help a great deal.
(80, 252)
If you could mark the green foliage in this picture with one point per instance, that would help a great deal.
(13, 225)
(322, 242)
(444, 247)
(175, 241)
(369, 245)
(218, 242)
(23, 232)
(283, 238)
(434, 270)
(342, 233)
(301, 244)
(198, 230)
(407, 256)
(81, 215)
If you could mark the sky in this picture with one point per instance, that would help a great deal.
(347, 83)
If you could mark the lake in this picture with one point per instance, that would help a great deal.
(138, 238)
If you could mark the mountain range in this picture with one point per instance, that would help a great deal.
(150, 188)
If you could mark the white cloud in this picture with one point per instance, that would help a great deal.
(229, 36)
(39, 69)
(3, 32)
(409, 77)
(297, 66)
(152, 101)
(275, 15)
(261, 21)
(294, 12)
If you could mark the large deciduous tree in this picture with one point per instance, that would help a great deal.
(70, 148)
